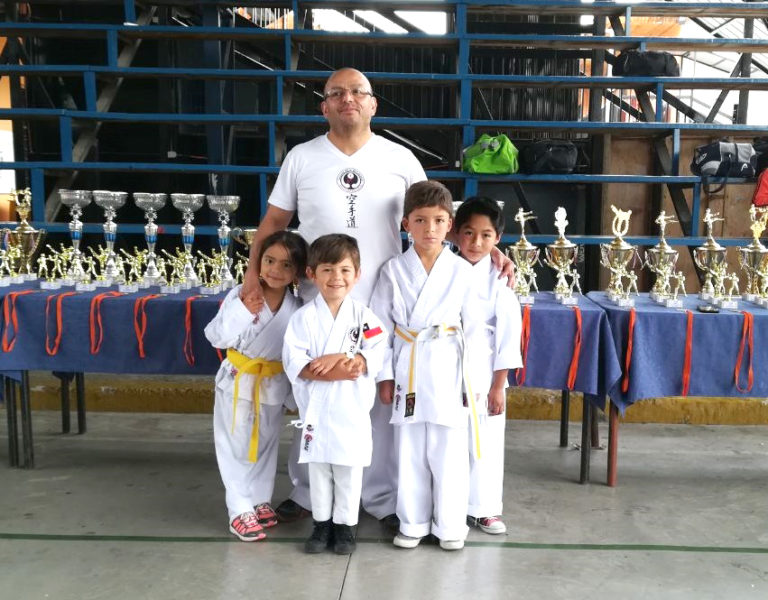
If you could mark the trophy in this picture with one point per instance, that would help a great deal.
(224, 206)
(110, 202)
(616, 256)
(76, 201)
(661, 260)
(753, 259)
(188, 204)
(244, 236)
(21, 244)
(150, 204)
(710, 258)
(524, 255)
(560, 256)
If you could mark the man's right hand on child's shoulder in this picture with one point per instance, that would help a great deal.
(386, 391)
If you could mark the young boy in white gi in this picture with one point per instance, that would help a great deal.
(251, 388)
(425, 295)
(479, 224)
(333, 349)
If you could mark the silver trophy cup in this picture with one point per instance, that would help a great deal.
(150, 204)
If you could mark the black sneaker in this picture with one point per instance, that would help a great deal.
(321, 538)
(344, 539)
(391, 522)
(290, 511)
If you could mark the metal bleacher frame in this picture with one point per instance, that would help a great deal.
(462, 81)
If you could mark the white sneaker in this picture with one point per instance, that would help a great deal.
(451, 544)
(492, 525)
(406, 541)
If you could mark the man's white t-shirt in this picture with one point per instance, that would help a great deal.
(360, 195)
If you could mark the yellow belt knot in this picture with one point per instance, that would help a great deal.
(261, 368)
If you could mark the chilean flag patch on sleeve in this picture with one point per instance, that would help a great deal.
(368, 333)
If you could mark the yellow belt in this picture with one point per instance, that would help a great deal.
(410, 336)
(261, 368)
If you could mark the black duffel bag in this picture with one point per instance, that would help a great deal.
(549, 156)
(724, 159)
(646, 64)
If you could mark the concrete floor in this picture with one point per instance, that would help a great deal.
(134, 509)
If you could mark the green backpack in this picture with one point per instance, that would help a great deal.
(491, 154)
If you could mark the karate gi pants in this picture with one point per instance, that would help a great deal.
(486, 475)
(247, 484)
(433, 480)
(379, 494)
(335, 492)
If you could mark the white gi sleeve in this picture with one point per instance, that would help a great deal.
(296, 346)
(285, 194)
(382, 302)
(374, 346)
(232, 319)
(508, 330)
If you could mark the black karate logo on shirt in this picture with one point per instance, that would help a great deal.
(351, 181)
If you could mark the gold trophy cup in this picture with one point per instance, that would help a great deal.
(710, 258)
(560, 256)
(22, 243)
(616, 256)
(524, 255)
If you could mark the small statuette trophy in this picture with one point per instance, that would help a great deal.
(524, 255)
(753, 259)
(661, 260)
(616, 256)
(224, 206)
(22, 244)
(188, 204)
(560, 255)
(244, 236)
(110, 202)
(76, 200)
(150, 204)
(710, 258)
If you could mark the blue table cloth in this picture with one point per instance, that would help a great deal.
(119, 353)
(550, 350)
(658, 354)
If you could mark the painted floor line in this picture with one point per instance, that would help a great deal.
(379, 540)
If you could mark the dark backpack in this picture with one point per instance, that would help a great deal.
(761, 148)
(724, 159)
(549, 156)
(646, 64)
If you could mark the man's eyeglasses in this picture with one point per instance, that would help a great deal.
(339, 93)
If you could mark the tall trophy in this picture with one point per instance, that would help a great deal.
(224, 206)
(616, 256)
(661, 260)
(560, 255)
(188, 204)
(710, 258)
(76, 201)
(23, 243)
(524, 255)
(110, 202)
(150, 204)
(753, 259)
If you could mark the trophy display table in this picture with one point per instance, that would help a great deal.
(569, 348)
(100, 332)
(683, 352)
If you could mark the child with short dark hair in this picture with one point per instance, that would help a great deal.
(478, 226)
(426, 296)
(334, 347)
(251, 388)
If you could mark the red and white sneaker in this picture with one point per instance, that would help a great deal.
(247, 527)
(267, 517)
(492, 525)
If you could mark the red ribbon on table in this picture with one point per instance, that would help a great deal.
(140, 320)
(10, 318)
(628, 355)
(747, 332)
(188, 350)
(574, 368)
(94, 319)
(688, 352)
(525, 337)
(52, 349)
